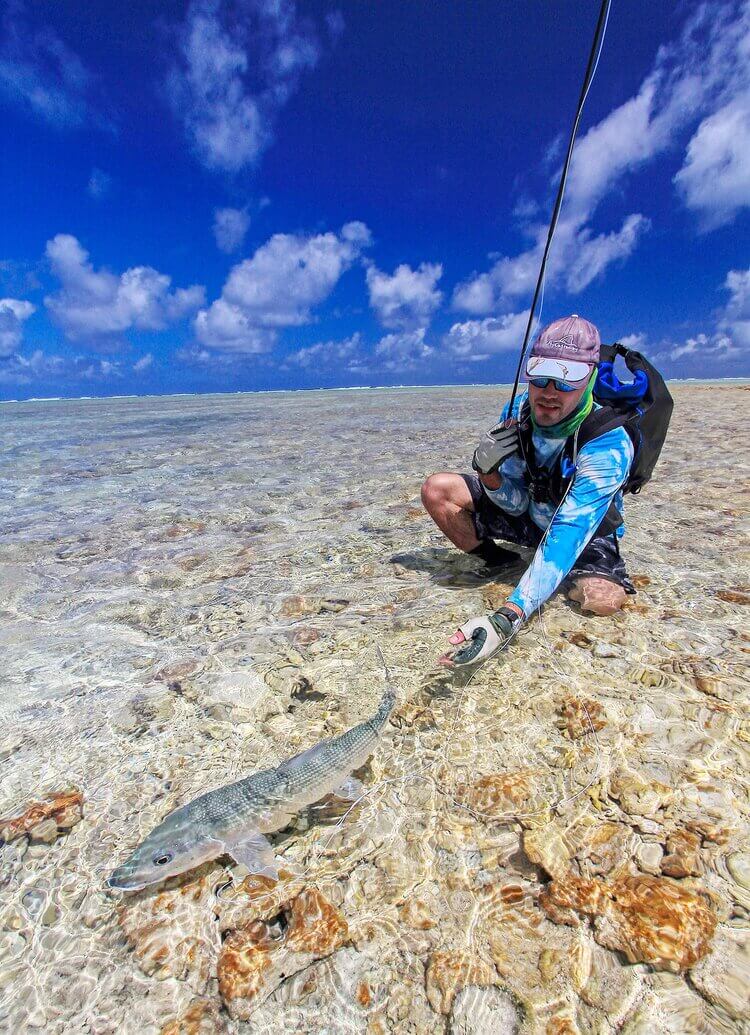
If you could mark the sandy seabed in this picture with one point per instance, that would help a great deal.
(194, 588)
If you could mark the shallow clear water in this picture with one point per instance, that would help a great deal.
(172, 570)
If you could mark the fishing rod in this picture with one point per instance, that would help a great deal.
(596, 49)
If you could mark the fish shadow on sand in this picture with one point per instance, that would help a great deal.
(455, 570)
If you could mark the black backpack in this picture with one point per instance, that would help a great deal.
(643, 408)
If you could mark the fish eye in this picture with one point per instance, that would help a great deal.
(162, 860)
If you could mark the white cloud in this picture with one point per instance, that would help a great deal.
(99, 305)
(278, 287)
(715, 178)
(702, 75)
(407, 299)
(40, 366)
(42, 74)
(230, 227)
(403, 351)
(633, 341)
(347, 352)
(707, 347)
(13, 314)
(99, 184)
(735, 320)
(730, 336)
(237, 66)
(143, 363)
(474, 340)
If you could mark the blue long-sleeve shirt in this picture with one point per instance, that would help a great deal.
(602, 466)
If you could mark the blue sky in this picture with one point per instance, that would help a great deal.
(215, 196)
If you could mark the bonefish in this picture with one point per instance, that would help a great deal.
(233, 819)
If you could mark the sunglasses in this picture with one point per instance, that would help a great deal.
(542, 382)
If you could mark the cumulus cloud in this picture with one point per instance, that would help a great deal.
(237, 66)
(403, 351)
(143, 363)
(96, 305)
(706, 346)
(230, 227)
(475, 340)
(406, 299)
(633, 341)
(13, 314)
(728, 339)
(346, 353)
(41, 74)
(715, 179)
(735, 319)
(278, 287)
(701, 76)
(41, 366)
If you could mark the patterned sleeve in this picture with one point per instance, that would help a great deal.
(513, 495)
(602, 467)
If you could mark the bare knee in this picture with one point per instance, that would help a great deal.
(599, 596)
(439, 491)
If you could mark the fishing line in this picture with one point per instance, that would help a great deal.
(593, 64)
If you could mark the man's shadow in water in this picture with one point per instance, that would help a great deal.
(457, 570)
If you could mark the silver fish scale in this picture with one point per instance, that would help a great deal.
(229, 816)
(250, 795)
(304, 777)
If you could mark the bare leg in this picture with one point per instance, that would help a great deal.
(448, 501)
(599, 596)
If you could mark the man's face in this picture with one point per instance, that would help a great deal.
(550, 406)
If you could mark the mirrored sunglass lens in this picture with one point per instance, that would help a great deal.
(561, 386)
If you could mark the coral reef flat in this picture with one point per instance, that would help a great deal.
(194, 588)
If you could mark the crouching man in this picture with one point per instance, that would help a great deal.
(537, 486)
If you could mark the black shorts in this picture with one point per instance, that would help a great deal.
(601, 557)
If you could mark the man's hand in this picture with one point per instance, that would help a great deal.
(495, 446)
(479, 638)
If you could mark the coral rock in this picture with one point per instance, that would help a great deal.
(56, 814)
(449, 972)
(578, 718)
(637, 795)
(724, 977)
(255, 960)
(499, 794)
(242, 967)
(315, 926)
(733, 596)
(484, 1011)
(200, 1018)
(683, 858)
(174, 934)
(652, 920)
(545, 847)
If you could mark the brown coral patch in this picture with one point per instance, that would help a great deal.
(242, 966)
(499, 794)
(200, 1018)
(64, 808)
(683, 859)
(733, 596)
(651, 919)
(315, 925)
(449, 972)
(579, 717)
